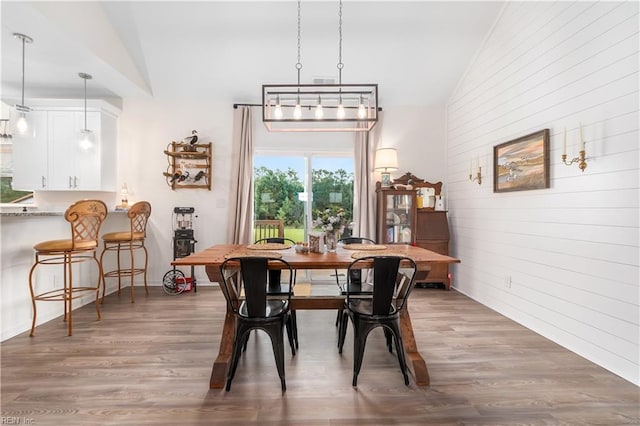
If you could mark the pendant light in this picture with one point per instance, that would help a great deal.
(22, 125)
(5, 136)
(86, 136)
(320, 107)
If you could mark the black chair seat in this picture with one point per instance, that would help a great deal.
(273, 308)
(365, 307)
(357, 288)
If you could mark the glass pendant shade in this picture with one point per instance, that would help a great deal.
(319, 110)
(297, 111)
(22, 125)
(86, 139)
(277, 112)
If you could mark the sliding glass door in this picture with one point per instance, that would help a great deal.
(296, 188)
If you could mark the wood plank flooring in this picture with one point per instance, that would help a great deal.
(149, 363)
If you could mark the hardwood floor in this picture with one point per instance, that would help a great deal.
(150, 362)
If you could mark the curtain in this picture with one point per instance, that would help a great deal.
(364, 187)
(241, 191)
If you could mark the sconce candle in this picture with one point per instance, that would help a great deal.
(582, 155)
(478, 175)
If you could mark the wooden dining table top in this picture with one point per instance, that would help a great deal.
(341, 258)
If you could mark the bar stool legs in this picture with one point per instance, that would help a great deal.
(132, 240)
(85, 217)
(121, 272)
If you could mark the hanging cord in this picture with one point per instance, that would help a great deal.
(23, 42)
(85, 102)
(340, 64)
(299, 64)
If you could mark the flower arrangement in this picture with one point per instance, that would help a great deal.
(331, 221)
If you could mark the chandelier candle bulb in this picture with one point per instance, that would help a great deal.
(564, 143)
(581, 139)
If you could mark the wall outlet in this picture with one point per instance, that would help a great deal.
(507, 282)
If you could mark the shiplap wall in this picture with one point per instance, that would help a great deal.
(562, 261)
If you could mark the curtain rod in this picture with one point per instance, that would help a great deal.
(235, 106)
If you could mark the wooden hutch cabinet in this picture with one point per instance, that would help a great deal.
(400, 220)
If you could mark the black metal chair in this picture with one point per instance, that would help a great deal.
(245, 289)
(275, 283)
(356, 274)
(391, 288)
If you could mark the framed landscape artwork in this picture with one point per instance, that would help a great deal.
(522, 164)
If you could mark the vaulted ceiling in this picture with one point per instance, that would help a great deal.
(416, 51)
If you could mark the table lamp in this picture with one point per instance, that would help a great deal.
(386, 161)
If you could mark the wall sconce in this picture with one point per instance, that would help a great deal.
(478, 176)
(386, 161)
(581, 158)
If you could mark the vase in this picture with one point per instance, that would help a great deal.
(331, 240)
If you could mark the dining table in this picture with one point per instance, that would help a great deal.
(212, 257)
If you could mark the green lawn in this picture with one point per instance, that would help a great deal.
(296, 234)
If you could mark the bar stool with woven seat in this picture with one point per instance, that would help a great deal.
(86, 218)
(128, 240)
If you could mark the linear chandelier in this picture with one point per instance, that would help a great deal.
(320, 107)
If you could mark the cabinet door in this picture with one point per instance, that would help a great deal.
(399, 217)
(87, 167)
(29, 155)
(62, 144)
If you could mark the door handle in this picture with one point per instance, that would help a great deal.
(75, 181)
(44, 182)
(70, 182)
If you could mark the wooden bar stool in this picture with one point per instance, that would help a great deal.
(86, 218)
(128, 240)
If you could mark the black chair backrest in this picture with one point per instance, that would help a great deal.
(355, 240)
(275, 240)
(253, 280)
(386, 279)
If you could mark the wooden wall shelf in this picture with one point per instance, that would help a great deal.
(189, 166)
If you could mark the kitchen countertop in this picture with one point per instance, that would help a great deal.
(36, 212)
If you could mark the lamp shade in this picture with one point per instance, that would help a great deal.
(386, 159)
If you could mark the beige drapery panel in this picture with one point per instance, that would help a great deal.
(241, 190)
(364, 186)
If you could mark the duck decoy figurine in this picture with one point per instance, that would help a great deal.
(193, 138)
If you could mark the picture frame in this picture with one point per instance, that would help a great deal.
(522, 164)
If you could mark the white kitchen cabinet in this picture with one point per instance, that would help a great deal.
(30, 155)
(58, 162)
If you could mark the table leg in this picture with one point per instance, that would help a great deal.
(221, 363)
(416, 363)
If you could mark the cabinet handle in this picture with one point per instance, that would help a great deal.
(75, 181)
(44, 182)
(70, 182)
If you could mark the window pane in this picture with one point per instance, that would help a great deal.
(333, 187)
(7, 194)
(278, 181)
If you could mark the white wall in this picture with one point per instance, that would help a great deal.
(418, 134)
(572, 250)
